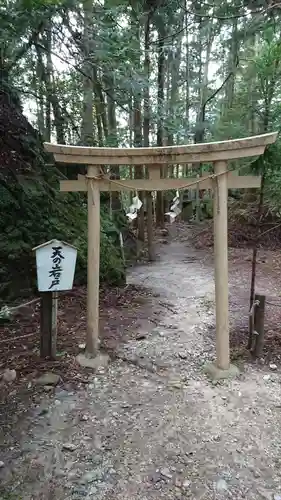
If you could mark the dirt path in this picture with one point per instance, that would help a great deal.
(151, 426)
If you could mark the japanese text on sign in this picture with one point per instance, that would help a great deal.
(55, 272)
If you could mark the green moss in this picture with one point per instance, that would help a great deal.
(35, 211)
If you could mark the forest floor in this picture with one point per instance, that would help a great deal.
(150, 425)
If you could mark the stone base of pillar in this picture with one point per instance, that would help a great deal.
(99, 361)
(216, 373)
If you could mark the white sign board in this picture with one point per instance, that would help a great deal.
(55, 262)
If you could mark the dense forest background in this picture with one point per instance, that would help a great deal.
(123, 73)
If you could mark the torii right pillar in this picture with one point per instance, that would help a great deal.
(221, 265)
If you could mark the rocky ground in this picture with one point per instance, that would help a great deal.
(151, 425)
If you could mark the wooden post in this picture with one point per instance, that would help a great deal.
(259, 325)
(197, 200)
(48, 324)
(221, 265)
(149, 224)
(153, 174)
(92, 339)
(122, 248)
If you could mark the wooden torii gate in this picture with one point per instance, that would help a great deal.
(95, 181)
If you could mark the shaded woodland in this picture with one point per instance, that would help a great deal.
(126, 73)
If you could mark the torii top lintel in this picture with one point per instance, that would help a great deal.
(205, 152)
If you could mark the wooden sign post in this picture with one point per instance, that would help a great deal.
(218, 153)
(55, 263)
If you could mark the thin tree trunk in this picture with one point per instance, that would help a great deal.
(112, 139)
(40, 101)
(146, 124)
(131, 138)
(255, 252)
(187, 69)
(137, 116)
(203, 82)
(49, 72)
(175, 77)
(232, 61)
(160, 115)
(100, 107)
(87, 126)
(52, 98)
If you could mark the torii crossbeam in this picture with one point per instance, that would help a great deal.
(219, 153)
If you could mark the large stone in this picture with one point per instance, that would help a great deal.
(92, 476)
(9, 375)
(216, 373)
(48, 379)
(68, 447)
(221, 485)
(99, 361)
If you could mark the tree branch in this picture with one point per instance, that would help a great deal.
(211, 97)
(27, 45)
(77, 68)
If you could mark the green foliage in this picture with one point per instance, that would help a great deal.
(37, 213)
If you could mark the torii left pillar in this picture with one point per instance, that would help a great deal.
(92, 357)
(93, 271)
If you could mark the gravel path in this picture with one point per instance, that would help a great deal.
(151, 426)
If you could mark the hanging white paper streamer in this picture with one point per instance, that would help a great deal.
(174, 209)
(133, 209)
(137, 202)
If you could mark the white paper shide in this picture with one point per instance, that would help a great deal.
(133, 209)
(55, 262)
(175, 209)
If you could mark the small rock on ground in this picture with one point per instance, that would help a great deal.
(48, 379)
(166, 473)
(69, 447)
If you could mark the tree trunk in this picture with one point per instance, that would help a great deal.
(160, 116)
(138, 170)
(40, 100)
(232, 61)
(87, 125)
(203, 85)
(187, 70)
(49, 72)
(175, 77)
(146, 124)
(112, 140)
(52, 97)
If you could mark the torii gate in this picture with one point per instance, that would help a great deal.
(154, 157)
